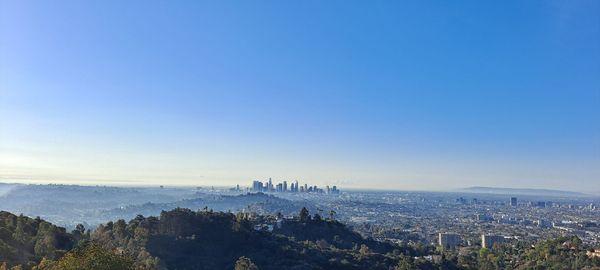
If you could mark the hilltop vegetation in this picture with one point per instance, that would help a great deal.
(89, 256)
(26, 241)
(186, 239)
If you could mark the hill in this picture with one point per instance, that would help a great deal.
(250, 202)
(186, 239)
(26, 241)
(525, 191)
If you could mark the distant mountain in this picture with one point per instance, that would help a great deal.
(6, 188)
(68, 205)
(525, 191)
(260, 203)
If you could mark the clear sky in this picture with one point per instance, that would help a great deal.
(379, 94)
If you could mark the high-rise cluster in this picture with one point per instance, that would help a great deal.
(268, 186)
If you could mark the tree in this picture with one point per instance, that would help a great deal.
(486, 259)
(405, 263)
(244, 263)
(94, 257)
(332, 214)
(80, 228)
(304, 215)
(45, 264)
(79, 232)
(364, 250)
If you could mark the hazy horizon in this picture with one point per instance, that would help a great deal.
(406, 96)
(245, 186)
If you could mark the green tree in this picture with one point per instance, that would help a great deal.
(405, 263)
(79, 233)
(364, 250)
(45, 264)
(244, 263)
(94, 257)
(304, 215)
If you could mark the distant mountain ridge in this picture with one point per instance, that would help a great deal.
(256, 202)
(525, 191)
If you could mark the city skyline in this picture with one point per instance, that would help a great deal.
(404, 96)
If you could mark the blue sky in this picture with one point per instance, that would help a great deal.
(386, 94)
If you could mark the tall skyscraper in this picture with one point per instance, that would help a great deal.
(270, 186)
(257, 186)
(513, 201)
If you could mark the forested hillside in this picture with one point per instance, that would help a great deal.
(26, 241)
(186, 239)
